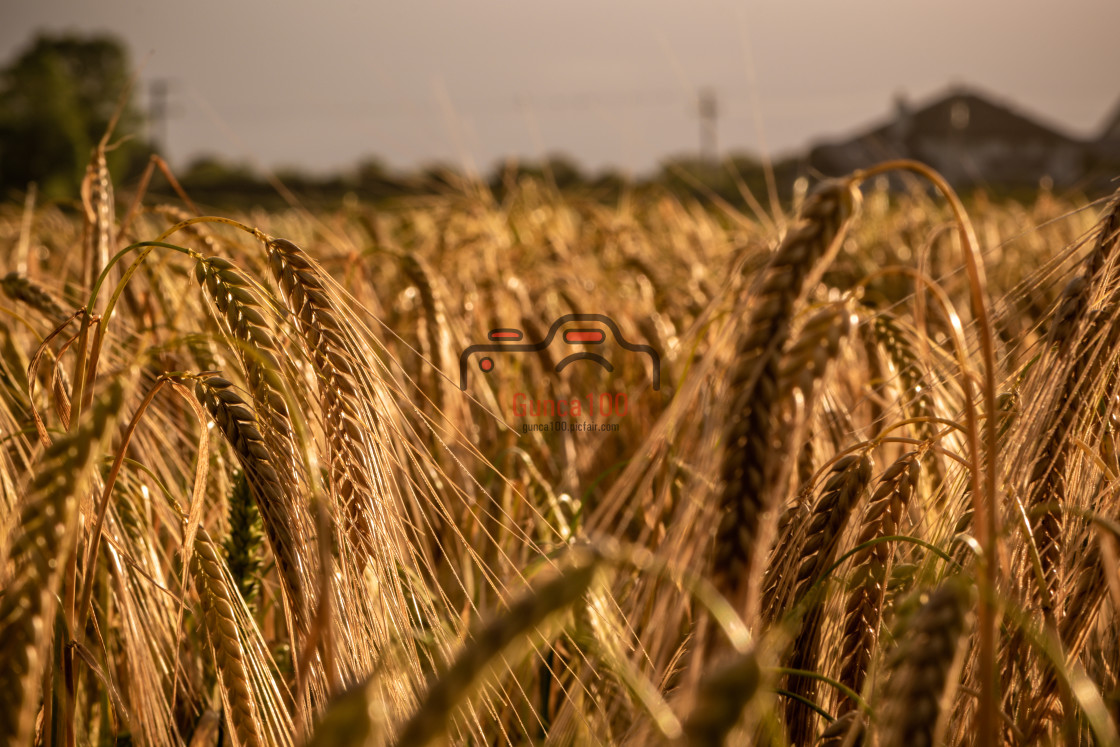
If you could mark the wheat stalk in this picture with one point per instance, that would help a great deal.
(1108, 239)
(918, 399)
(435, 315)
(100, 213)
(818, 343)
(232, 294)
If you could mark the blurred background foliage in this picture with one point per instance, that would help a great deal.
(56, 101)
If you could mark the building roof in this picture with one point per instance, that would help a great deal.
(968, 115)
(1111, 129)
(970, 137)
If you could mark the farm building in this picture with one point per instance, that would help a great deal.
(1107, 146)
(971, 138)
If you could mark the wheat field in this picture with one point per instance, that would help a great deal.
(244, 499)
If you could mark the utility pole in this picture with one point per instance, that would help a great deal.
(157, 114)
(709, 112)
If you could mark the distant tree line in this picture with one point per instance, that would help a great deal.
(212, 181)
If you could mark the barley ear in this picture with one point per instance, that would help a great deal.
(21, 288)
(753, 443)
(352, 452)
(522, 617)
(48, 519)
(864, 612)
(238, 423)
(722, 696)
(831, 514)
(221, 627)
(920, 690)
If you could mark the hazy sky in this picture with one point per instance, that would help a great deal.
(610, 82)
